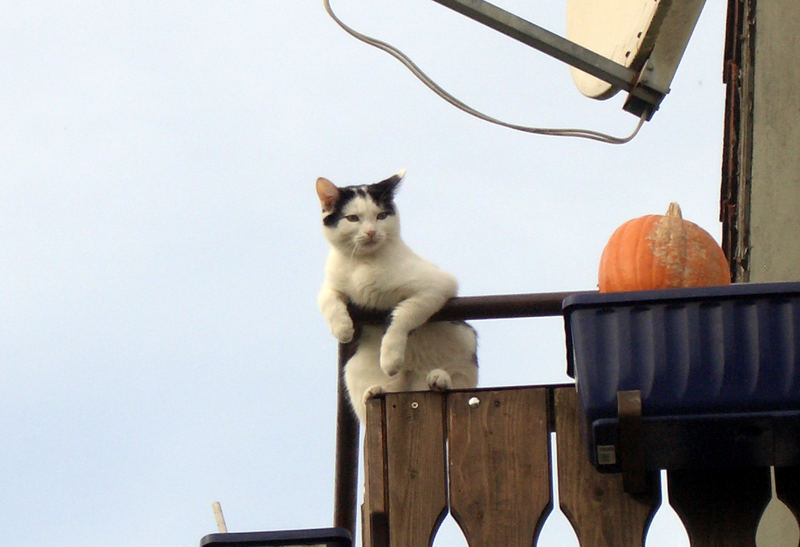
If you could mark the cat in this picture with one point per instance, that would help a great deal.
(370, 267)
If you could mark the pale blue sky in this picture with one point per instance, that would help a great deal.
(161, 247)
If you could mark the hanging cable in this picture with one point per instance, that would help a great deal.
(436, 88)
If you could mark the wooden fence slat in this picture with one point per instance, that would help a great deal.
(415, 461)
(720, 507)
(374, 511)
(499, 454)
(787, 486)
(601, 513)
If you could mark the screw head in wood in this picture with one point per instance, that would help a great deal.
(474, 402)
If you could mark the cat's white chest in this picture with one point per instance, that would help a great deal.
(383, 281)
(372, 285)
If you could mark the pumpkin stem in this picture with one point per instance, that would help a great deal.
(674, 210)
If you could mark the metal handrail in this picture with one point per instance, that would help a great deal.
(507, 306)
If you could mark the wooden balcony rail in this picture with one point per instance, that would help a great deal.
(490, 449)
(463, 308)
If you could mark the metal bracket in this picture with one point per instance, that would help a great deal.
(631, 451)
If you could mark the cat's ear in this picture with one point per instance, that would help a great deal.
(388, 187)
(328, 193)
(394, 180)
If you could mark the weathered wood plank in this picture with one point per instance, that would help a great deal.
(720, 507)
(374, 511)
(601, 513)
(415, 463)
(499, 454)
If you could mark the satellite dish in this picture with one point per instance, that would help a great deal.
(617, 30)
(637, 34)
(634, 45)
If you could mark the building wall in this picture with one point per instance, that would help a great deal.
(774, 235)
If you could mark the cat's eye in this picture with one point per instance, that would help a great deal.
(352, 218)
(382, 215)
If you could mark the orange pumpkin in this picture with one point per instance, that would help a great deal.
(661, 252)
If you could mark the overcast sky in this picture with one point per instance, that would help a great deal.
(161, 246)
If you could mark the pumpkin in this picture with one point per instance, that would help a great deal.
(661, 252)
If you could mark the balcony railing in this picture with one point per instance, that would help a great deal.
(484, 455)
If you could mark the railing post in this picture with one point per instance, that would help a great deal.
(346, 466)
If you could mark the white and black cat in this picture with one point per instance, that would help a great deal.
(369, 266)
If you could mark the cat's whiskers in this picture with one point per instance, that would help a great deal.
(354, 251)
(364, 242)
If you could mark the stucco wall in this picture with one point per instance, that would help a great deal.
(775, 188)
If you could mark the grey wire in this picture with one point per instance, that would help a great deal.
(436, 88)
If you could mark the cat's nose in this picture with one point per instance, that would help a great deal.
(370, 234)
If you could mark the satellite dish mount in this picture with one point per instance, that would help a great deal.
(643, 46)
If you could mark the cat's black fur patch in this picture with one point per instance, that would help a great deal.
(345, 195)
(474, 355)
(382, 193)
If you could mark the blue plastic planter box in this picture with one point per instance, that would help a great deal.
(718, 369)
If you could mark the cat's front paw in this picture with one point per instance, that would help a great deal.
(439, 380)
(343, 329)
(392, 356)
(372, 391)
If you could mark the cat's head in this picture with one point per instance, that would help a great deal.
(359, 220)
